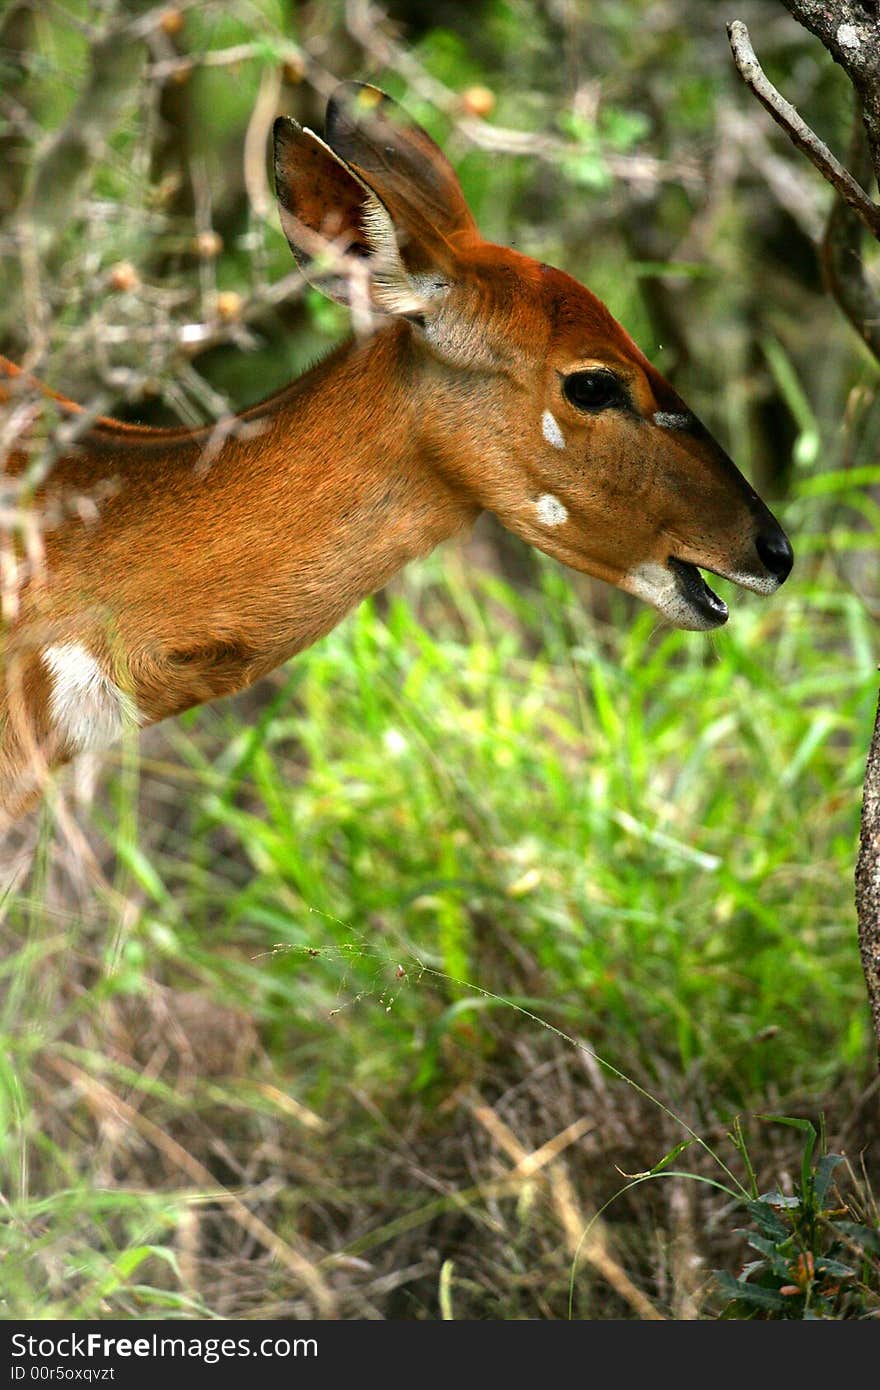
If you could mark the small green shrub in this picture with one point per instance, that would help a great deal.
(814, 1259)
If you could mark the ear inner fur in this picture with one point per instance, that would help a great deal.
(401, 163)
(305, 172)
(319, 194)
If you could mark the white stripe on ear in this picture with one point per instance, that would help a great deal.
(382, 281)
(393, 289)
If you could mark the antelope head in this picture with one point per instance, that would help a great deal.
(527, 394)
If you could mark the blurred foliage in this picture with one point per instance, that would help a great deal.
(496, 820)
(644, 172)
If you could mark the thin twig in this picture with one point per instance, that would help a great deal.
(181, 66)
(365, 24)
(797, 130)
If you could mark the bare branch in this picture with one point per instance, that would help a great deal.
(797, 130)
(115, 63)
(181, 66)
(16, 28)
(366, 25)
(850, 31)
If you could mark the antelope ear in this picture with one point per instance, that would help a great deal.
(328, 214)
(399, 161)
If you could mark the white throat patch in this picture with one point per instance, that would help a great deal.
(88, 710)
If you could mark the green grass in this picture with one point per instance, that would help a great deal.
(469, 838)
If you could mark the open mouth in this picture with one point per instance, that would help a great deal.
(693, 589)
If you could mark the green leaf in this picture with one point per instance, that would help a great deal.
(142, 871)
(128, 1261)
(835, 1268)
(588, 170)
(752, 1294)
(779, 1263)
(766, 1219)
(623, 129)
(775, 1198)
(807, 446)
(738, 1139)
(822, 1179)
(671, 1156)
(809, 1129)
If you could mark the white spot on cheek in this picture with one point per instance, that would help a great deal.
(551, 431)
(550, 510)
(671, 422)
(88, 710)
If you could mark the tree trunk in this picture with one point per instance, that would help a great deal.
(850, 30)
(868, 878)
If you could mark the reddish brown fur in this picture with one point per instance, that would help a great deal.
(191, 582)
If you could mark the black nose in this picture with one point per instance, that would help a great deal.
(776, 554)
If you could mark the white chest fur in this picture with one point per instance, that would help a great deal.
(87, 709)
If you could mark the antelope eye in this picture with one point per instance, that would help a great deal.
(597, 390)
